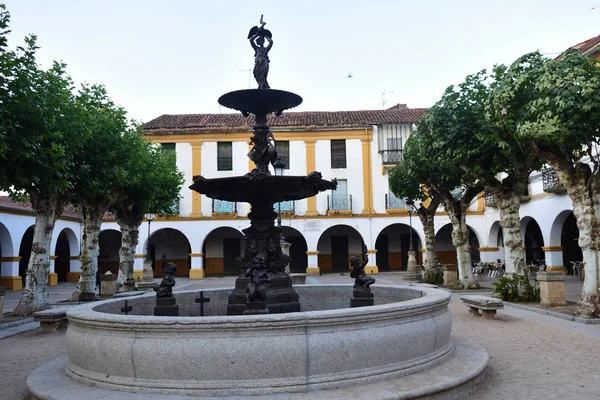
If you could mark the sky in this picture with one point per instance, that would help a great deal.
(179, 57)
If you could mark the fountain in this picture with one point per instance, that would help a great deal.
(266, 337)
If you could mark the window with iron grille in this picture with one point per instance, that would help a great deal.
(224, 156)
(338, 153)
(283, 152)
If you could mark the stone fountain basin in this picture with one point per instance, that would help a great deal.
(326, 346)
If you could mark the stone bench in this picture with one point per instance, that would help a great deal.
(52, 318)
(487, 305)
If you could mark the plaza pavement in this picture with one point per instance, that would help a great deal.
(532, 356)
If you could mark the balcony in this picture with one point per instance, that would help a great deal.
(339, 203)
(172, 212)
(286, 207)
(394, 203)
(551, 182)
(490, 200)
(391, 157)
(223, 207)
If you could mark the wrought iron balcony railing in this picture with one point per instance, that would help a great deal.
(284, 206)
(224, 206)
(391, 156)
(490, 200)
(393, 202)
(551, 182)
(173, 210)
(339, 202)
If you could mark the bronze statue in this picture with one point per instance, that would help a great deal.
(165, 289)
(257, 38)
(361, 279)
(257, 287)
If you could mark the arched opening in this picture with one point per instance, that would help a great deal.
(495, 239)
(446, 251)
(569, 240)
(109, 242)
(25, 252)
(176, 245)
(221, 248)
(298, 248)
(63, 257)
(392, 247)
(6, 250)
(533, 239)
(336, 245)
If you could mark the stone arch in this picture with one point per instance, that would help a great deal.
(557, 226)
(177, 246)
(446, 251)
(565, 233)
(25, 252)
(6, 243)
(336, 245)
(221, 247)
(66, 246)
(495, 238)
(109, 244)
(392, 245)
(533, 239)
(298, 248)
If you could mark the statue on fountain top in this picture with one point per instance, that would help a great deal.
(257, 38)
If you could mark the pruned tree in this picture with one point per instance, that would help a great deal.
(404, 185)
(510, 162)
(562, 127)
(153, 187)
(425, 163)
(38, 122)
(101, 174)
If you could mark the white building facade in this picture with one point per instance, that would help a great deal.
(357, 147)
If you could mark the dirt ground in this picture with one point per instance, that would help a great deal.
(21, 355)
(528, 359)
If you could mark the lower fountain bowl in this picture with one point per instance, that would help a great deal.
(327, 346)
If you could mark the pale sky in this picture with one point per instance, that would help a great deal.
(178, 57)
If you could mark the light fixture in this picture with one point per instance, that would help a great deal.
(149, 218)
(411, 209)
(279, 166)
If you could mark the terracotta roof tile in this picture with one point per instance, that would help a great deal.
(25, 207)
(307, 120)
(587, 47)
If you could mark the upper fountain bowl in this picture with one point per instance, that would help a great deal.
(260, 101)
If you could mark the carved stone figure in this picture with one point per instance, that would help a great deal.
(257, 287)
(361, 279)
(257, 38)
(165, 288)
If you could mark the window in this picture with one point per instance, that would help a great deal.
(338, 153)
(283, 151)
(224, 156)
(394, 143)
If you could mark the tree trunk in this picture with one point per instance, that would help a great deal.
(584, 197)
(129, 239)
(92, 219)
(35, 294)
(460, 239)
(427, 219)
(509, 203)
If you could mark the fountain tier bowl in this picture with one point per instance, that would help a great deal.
(327, 346)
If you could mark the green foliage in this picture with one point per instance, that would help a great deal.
(154, 180)
(106, 143)
(38, 122)
(434, 277)
(563, 120)
(516, 289)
